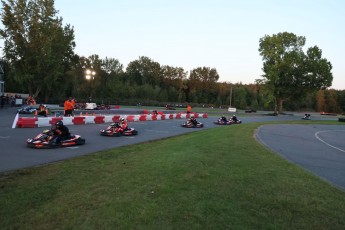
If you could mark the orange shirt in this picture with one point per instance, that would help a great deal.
(73, 103)
(189, 108)
(68, 105)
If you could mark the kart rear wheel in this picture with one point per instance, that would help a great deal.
(134, 132)
(80, 141)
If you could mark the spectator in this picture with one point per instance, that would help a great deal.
(12, 101)
(2, 100)
(73, 101)
(30, 100)
(189, 108)
(42, 110)
(68, 107)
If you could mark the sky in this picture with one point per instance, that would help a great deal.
(220, 34)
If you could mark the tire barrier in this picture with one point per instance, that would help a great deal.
(34, 122)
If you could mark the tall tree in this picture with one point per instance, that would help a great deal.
(144, 71)
(110, 80)
(37, 45)
(173, 78)
(203, 83)
(289, 73)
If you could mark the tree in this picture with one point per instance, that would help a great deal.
(37, 46)
(203, 83)
(289, 73)
(144, 71)
(173, 78)
(110, 81)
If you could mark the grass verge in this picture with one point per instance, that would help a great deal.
(213, 179)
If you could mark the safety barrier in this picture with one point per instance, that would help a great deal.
(79, 120)
(26, 122)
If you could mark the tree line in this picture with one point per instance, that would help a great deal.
(40, 60)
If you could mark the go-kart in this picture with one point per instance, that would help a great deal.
(223, 122)
(306, 117)
(45, 140)
(235, 122)
(103, 107)
(26, 110)
(191, 125)
(111, 131)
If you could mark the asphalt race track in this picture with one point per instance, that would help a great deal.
(319, 149)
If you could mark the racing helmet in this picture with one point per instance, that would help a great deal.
(122, 119)
(58, 124)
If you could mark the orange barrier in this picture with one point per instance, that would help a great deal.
(27, 122)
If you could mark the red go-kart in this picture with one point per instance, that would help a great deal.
(189, 124)
(223, 122)
(111, 131)
(45, 140)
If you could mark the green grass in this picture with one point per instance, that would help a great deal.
(219, 178)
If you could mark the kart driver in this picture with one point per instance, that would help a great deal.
(123, 126)
(193, 120)
(234, 118)
(223, 119)
(60, 132)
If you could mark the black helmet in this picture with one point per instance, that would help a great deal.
(58, 123)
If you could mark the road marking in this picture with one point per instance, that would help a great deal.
(72, 147)
(319, 138)
(3, 137)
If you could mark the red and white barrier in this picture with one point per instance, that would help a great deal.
(33, 122)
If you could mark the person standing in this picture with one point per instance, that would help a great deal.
(68, 107)
(189, 108)
(2, 101)
(73, 101)
(42, 110)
